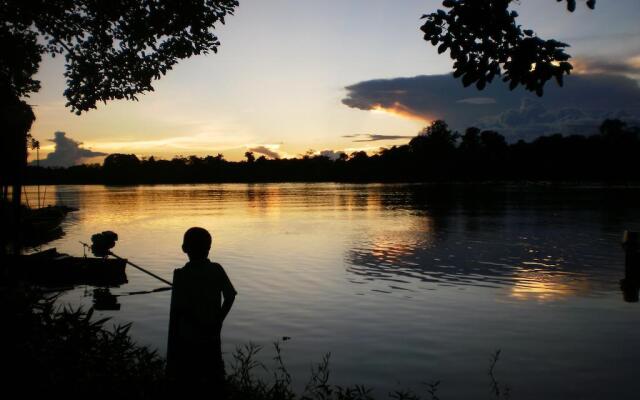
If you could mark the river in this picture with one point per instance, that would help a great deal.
(402, 284)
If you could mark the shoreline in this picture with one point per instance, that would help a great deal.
(595, 184)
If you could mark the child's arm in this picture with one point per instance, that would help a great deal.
(173, 324)
(229, 294)
(226, 306)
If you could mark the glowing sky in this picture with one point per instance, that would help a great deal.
(281, 72)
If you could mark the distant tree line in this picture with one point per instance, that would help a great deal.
(436, 154)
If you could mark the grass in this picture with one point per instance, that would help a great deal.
(60, 351)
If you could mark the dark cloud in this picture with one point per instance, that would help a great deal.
(331, 154)
(265, 151)
(579, 106)
(367, 137)
(478, 100)
(67, 152)
(533, 117)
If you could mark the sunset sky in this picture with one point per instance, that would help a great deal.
(294, 75)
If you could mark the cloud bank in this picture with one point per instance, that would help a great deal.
(265, 151)
(578, 107)
(67, 152)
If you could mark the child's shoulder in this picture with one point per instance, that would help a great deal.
(189, 269)
(216, 267)
(178, 271)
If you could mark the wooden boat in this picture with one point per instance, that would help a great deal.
(50, 268)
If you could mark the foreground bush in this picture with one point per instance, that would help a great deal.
(50, 350)
(57, 350)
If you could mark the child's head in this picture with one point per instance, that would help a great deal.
(196, 243)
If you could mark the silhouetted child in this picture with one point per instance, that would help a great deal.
(194, 353)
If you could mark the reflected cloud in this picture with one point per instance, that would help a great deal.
(545, 286)
(263, 199)
(435, 243)
(434, 262)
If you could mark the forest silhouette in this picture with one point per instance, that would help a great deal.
(436, 154)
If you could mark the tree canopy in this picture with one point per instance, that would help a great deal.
(436, 154)
(113, 49)
(485, 41)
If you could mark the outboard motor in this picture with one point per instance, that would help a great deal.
(104, 300)
(102, 243)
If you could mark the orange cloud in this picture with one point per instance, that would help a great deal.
(400, 110)
(629, 67)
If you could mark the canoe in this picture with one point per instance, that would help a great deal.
(50, 268)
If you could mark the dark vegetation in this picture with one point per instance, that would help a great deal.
(55, 351)
(112, 50)
(60, 351)
(485, 41)
(437, 154)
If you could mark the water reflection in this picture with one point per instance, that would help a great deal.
(519, 241)
(537, 244)
(104, 300)
(543, 285)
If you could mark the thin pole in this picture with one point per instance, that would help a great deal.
(38, 165)
(24, 189)
(162, 289)
(141, 269)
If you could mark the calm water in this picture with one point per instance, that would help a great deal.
(401, 283)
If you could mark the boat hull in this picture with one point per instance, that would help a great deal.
(50, 268)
